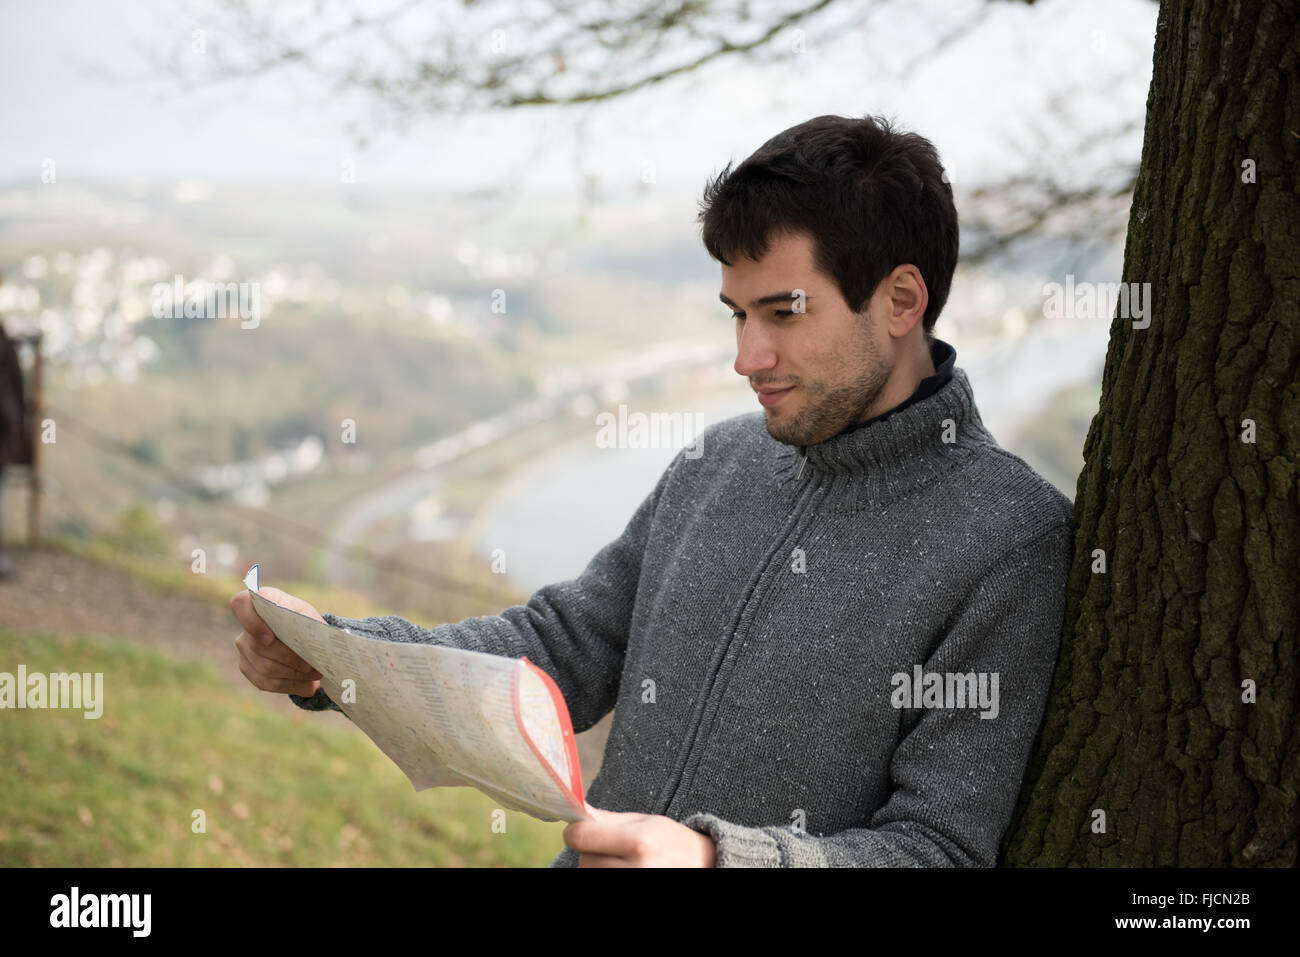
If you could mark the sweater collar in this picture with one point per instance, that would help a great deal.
(909, 447)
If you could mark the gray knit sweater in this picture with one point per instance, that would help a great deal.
(760, 627)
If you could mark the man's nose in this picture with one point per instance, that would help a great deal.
(754, 351)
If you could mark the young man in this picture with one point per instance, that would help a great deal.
(828, 640)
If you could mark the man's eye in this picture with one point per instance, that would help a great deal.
(737, 315)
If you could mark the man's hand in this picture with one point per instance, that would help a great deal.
(266, 661)
(618, 839)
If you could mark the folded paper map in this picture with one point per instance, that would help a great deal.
(447, 717)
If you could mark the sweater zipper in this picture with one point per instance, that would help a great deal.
(741, 623)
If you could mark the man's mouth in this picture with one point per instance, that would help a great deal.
(770, 397)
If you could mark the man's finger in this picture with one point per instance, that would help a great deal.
(282, 653)
(242, 605)
(599, 837)
(292, 602)
(601, 860)
(269, 668)
(279, 685)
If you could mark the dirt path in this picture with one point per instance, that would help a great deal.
(57, 593)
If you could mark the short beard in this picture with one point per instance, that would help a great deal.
(830, 411)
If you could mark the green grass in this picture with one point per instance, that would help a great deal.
(277, 789)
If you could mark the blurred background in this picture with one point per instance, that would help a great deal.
(468, 230)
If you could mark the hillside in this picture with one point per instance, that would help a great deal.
(183, 730)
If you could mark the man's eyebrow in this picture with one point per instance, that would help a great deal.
(764, 300)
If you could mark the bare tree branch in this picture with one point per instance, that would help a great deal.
(411, 62)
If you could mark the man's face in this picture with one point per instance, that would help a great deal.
(830, 361)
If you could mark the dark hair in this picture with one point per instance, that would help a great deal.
(871, 197)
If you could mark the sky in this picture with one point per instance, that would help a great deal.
(83, 86)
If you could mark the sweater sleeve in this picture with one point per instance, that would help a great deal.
(954, 775)
(576, 630)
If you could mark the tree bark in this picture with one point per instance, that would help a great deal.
(1200, 527)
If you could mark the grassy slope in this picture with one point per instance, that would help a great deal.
(299, 789)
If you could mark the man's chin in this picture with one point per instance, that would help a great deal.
(784, 432)
(792, 432)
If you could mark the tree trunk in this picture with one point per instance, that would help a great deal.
(1150, 719)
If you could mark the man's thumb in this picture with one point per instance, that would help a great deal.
(275, 594)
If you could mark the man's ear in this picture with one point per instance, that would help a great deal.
(908, 299)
